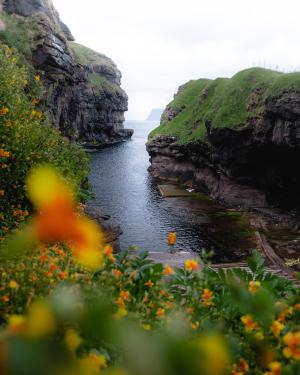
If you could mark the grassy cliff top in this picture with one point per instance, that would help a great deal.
(86, 56)
(224, 102)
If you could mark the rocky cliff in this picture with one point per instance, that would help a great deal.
(237, 139)
(82, 87)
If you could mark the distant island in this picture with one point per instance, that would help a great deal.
(155, 114)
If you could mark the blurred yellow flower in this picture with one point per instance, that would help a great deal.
(254, 286)
(168, 270)
(40, 321)
(58, 221)
(292, 342)
(4, 111)
(191, 265)
(72, 340)
(13, 284)
(277, 327)
(121, 313)
(207, 296)
(216, 356)
(16, 324)
(275, 368)
(160, 312)
(249, 323)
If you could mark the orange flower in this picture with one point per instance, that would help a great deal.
(168, 270)
(241, 368)
(254, 286)
(57, 220)
(149, 283)
(160, 312)
(63, 275)
(5, 298)
(277, 327)
(3, 153)
(4, 111)
(120, 302)
(249, 323)
(124, 294)
(2, 193)
(297, 307)
(275, 368)
(117, 273)
(207, 296)
(292, 350)
(108, 251)
(191, 265)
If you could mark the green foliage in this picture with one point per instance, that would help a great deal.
(224, 103)
(21, 33)
(27, 139)
(100, 83)
(191, 334)
(87, 56)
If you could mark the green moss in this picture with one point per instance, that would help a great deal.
(86, 56)
(224, 103)
(100, 83)
(21, 33)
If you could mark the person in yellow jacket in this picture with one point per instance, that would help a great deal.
(172, 239)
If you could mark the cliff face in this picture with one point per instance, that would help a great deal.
(242, 146)
(82, 88)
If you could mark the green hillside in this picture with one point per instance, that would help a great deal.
(224, 102)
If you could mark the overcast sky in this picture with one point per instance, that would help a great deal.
(160, 44)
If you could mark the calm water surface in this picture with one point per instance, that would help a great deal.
(125, 190)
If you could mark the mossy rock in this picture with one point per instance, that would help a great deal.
(223, 103)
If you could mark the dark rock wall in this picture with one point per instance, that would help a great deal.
(256, 167)
(83, 113)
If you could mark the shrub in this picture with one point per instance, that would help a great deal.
(27, 139)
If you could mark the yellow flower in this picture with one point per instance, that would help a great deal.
(147, 327)
(207, 296)
(275, 368)
(259, 336)
(292, 340)
(13, 284)
(249, 323)
(160, 312)
(191, 265)
(241, 368)
(3, 153)
(124, 294)
(16, 324)
(216, 358)
(72, 340)
(4, 111)
(277, 327)
(58, 221)
(149, 283)
(254, 286)
(40, 321)
(168, 270)
(121, 313)
(37, 78)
